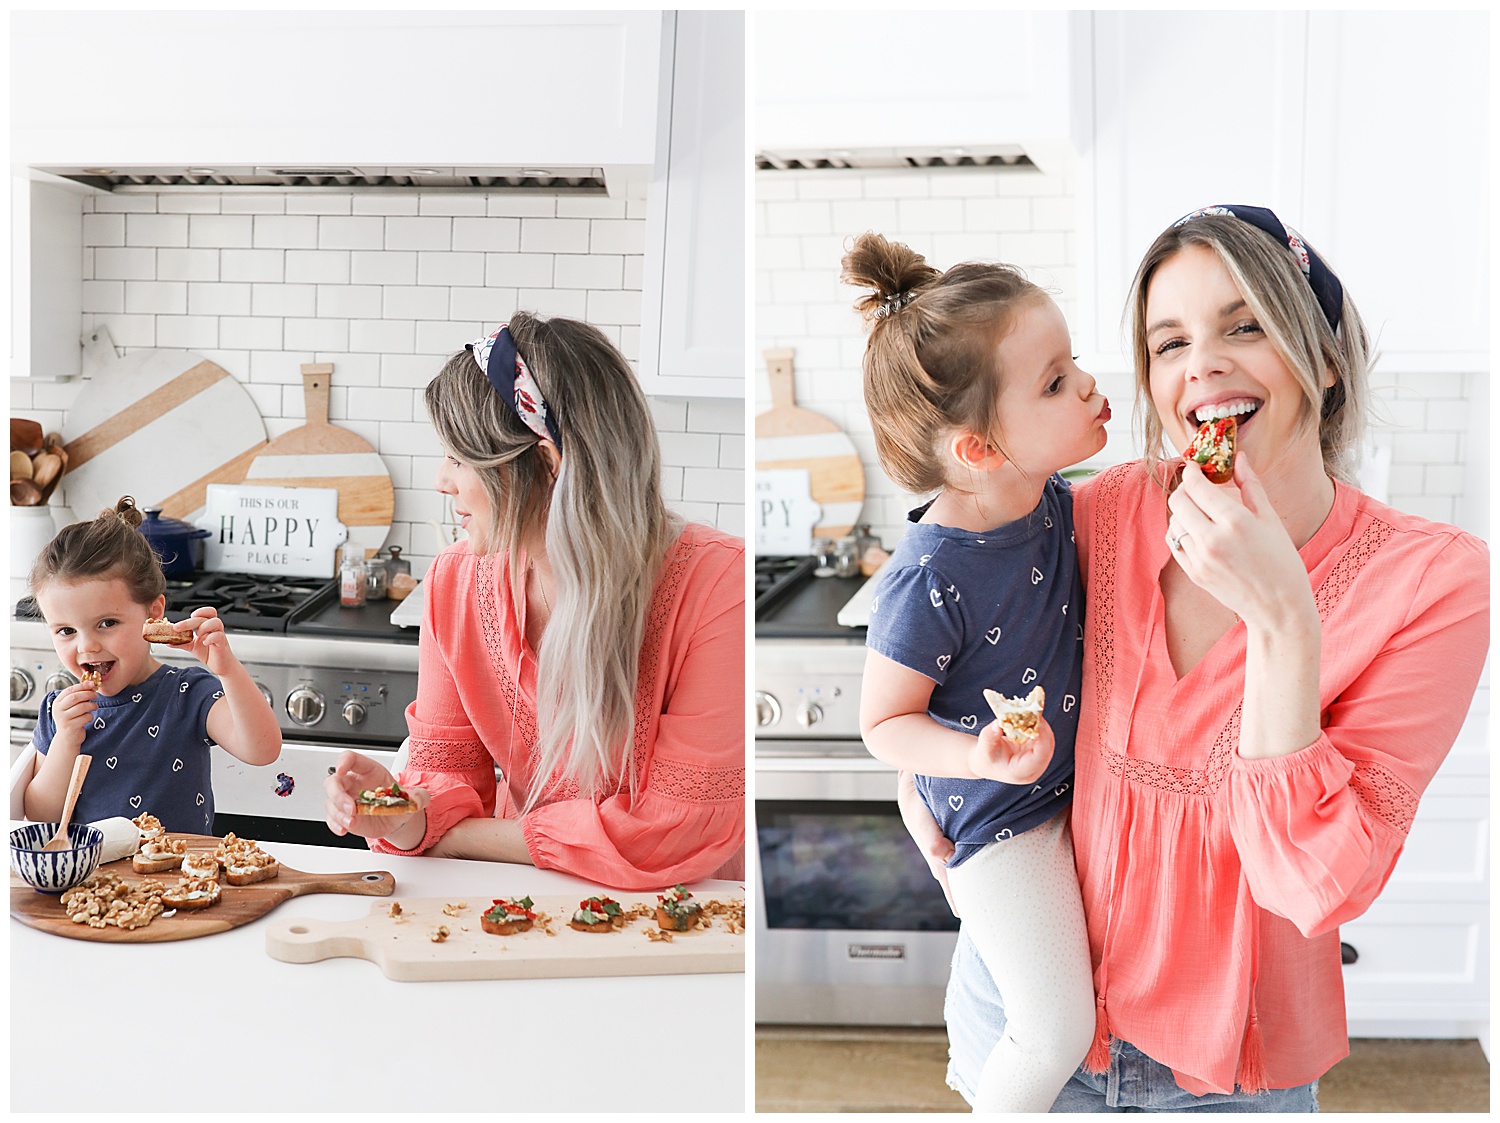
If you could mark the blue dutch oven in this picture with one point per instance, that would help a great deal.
(178, 544)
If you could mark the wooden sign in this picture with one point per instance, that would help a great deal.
(279, 531)
(785, 512)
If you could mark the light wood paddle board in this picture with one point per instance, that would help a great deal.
(788, 436)
(404, 949)
(240, 904)
(319, 454)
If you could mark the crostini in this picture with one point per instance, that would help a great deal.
(508, 916)
(676, 910)
(598, 914)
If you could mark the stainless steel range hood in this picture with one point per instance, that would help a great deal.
(867, 159)
(525, 179)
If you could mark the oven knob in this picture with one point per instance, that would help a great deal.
(21, 685)
(354, 712)
(767, 709)
(305, 706)
(809, 714)
(57, 680)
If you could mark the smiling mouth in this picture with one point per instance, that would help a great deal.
(100, 669)
(1241, 411)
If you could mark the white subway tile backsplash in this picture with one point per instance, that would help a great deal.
(212, 298)
(221, 231)
(858, 215)
(418, 233)
(320, 266)
(350, 301)
(435, 268)
(252, 265)
(385, 287)
(156, 230)
(486, 235)
(515, 270)
(285, 231)
(1000, 213)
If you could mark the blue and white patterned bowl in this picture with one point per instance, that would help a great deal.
(55, 871)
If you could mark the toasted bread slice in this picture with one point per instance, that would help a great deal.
(249, 874)
(1019, 717)
(191, 893)
(504, 927)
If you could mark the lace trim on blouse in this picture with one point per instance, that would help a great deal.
(433, 755)
(1378, 788)
(676, 780)
(663, 599)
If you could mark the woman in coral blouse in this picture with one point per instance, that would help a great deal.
(1274, 670)
(580, 640)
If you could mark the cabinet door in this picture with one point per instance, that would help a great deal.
(1187, 109)
(46, 278)
(693, 303)
(1397, 192)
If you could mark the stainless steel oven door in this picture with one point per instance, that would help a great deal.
(850, 927)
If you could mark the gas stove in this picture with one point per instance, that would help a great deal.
(337, 678)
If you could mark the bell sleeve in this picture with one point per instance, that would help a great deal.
(445, 755)
(687, 820)
(1318, 831)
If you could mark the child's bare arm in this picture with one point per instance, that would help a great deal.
(72, 710)
(241, 722)
(894, 722)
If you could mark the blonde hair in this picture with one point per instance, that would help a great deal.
(1272, 284)
(931, 366)
(607, 532)
(107, 547)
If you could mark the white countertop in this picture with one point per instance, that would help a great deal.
(79, 1012)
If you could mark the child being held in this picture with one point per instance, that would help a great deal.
(973, 394)
(147, 726)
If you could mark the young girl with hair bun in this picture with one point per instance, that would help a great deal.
(147, 726)
(973, 394)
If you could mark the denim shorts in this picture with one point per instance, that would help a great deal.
(1134, 1082)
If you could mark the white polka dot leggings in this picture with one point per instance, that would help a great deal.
(1020, 905)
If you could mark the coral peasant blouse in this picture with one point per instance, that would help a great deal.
(476, 690)
(1214, 886)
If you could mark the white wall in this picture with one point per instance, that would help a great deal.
(385, 287)
(1438, 466)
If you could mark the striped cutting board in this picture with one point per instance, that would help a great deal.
(787, 436)
(157, 424)
(319, 454)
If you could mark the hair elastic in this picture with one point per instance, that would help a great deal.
(1325, 286)
(893, 304)
(507, 372)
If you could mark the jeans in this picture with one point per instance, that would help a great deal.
(1134, 1082)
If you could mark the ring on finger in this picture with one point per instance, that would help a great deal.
(1174, 542)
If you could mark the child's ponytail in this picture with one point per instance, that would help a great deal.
(109, 546)
(931, 364)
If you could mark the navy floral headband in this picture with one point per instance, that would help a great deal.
(1325, 286)
(502, 364)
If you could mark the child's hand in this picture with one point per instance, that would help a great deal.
(72, 711)
(925, 832)
(996, 757)
(210, 642)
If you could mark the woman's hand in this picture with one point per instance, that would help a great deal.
(352, 774)
(925, 832)
(1231, 543)
(996, 757)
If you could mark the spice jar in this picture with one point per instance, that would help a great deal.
(824, 557)
(352, 591)
(395, 564)
(846, 557)
(375, 578)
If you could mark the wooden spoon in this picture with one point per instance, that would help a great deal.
(75, 785)
(25, 435)
(24, 493)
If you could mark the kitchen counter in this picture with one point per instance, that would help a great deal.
(83, 1016)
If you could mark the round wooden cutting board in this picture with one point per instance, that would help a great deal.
(787, 436)
(319, 454)
(159, 425)
(240, 904)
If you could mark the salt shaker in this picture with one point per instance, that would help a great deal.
(352, 581)
(375, 578)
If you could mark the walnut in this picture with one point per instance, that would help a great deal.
(394, 910)
(439, 934)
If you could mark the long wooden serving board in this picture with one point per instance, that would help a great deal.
(403, 947)
(239, 904)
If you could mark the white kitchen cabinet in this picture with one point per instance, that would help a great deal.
(693, 302)
(46, 277)
(320, 88)
(1356, 128)
(904, 80)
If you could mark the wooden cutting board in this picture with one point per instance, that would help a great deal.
(159, 425)
(787, 436)
(404, 950)
(319, 454)
(238, 905)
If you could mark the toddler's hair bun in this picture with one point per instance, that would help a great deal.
(894, 271)
(126, 511)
